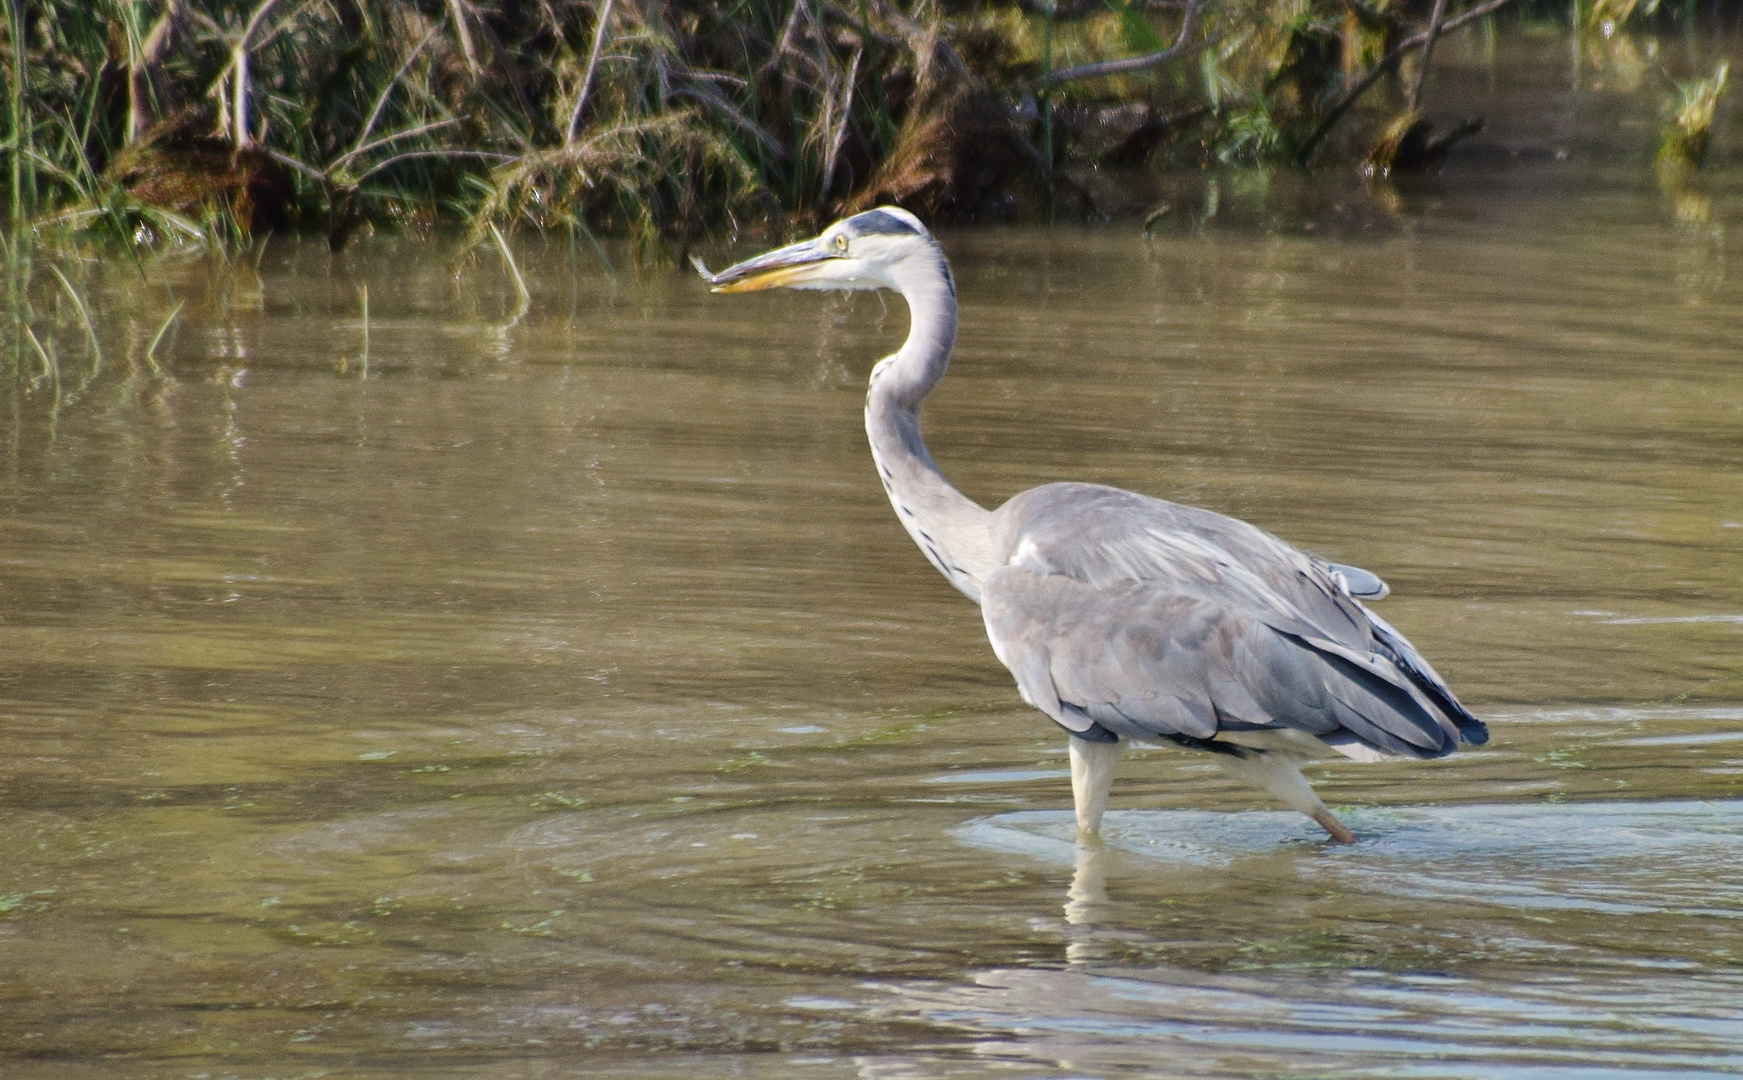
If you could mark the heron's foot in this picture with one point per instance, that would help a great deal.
(1329, 822)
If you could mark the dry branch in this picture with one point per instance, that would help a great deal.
(1071, 10)
(1434, 23)
(1387, 64)
(599, 32)
(1183, 46)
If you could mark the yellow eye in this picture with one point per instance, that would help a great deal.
(841, 242)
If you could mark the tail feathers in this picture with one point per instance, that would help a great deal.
(1323, 686)
(1387, 716)
(1427, 680)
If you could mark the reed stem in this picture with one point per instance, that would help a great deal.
(520, 284)
(157, 338)
(18, 134)
(1046, 100)
(363, 358)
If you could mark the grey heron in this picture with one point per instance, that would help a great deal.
(1126, 618)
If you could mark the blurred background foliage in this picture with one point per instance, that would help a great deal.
(203, 121)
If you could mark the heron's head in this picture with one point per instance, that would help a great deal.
(886, 248)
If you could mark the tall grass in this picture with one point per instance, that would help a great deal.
(1690, 131)
(655, 119)
(21, 189)
(197, 121)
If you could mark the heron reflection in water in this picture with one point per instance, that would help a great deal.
(1126, 618)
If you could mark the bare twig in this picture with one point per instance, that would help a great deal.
(381, 100)
(839, 136)
(457, 12)
(239, 68)
(592, 66)
(851, 24)
(409, 155)
(386, 139)
(1183, 45)
(1434, 21)
(1387, 63)
(233, 100)
(930, 47)
(292, 163)
(326, 175)
(1083, 9)
(150, 51)
(696, 88)
(786, 39)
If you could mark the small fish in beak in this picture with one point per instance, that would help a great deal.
(790, 265)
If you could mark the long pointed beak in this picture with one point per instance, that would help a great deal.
(783, 266)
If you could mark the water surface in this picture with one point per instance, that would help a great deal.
(557, 695)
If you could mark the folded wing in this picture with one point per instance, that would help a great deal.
(1122, 616)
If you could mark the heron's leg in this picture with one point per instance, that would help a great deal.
(1092, 777)
(1279, 776)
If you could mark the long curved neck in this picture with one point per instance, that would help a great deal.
(949, 527)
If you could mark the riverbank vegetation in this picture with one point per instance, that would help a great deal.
(154, 121)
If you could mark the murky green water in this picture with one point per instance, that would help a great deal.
(560, 697)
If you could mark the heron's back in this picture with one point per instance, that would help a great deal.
(1139, 617)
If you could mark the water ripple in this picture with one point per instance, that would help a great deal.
(1623, 858)
(1356, 1024)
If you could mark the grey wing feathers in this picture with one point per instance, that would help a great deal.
(1092, 659)
(1126, 616)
